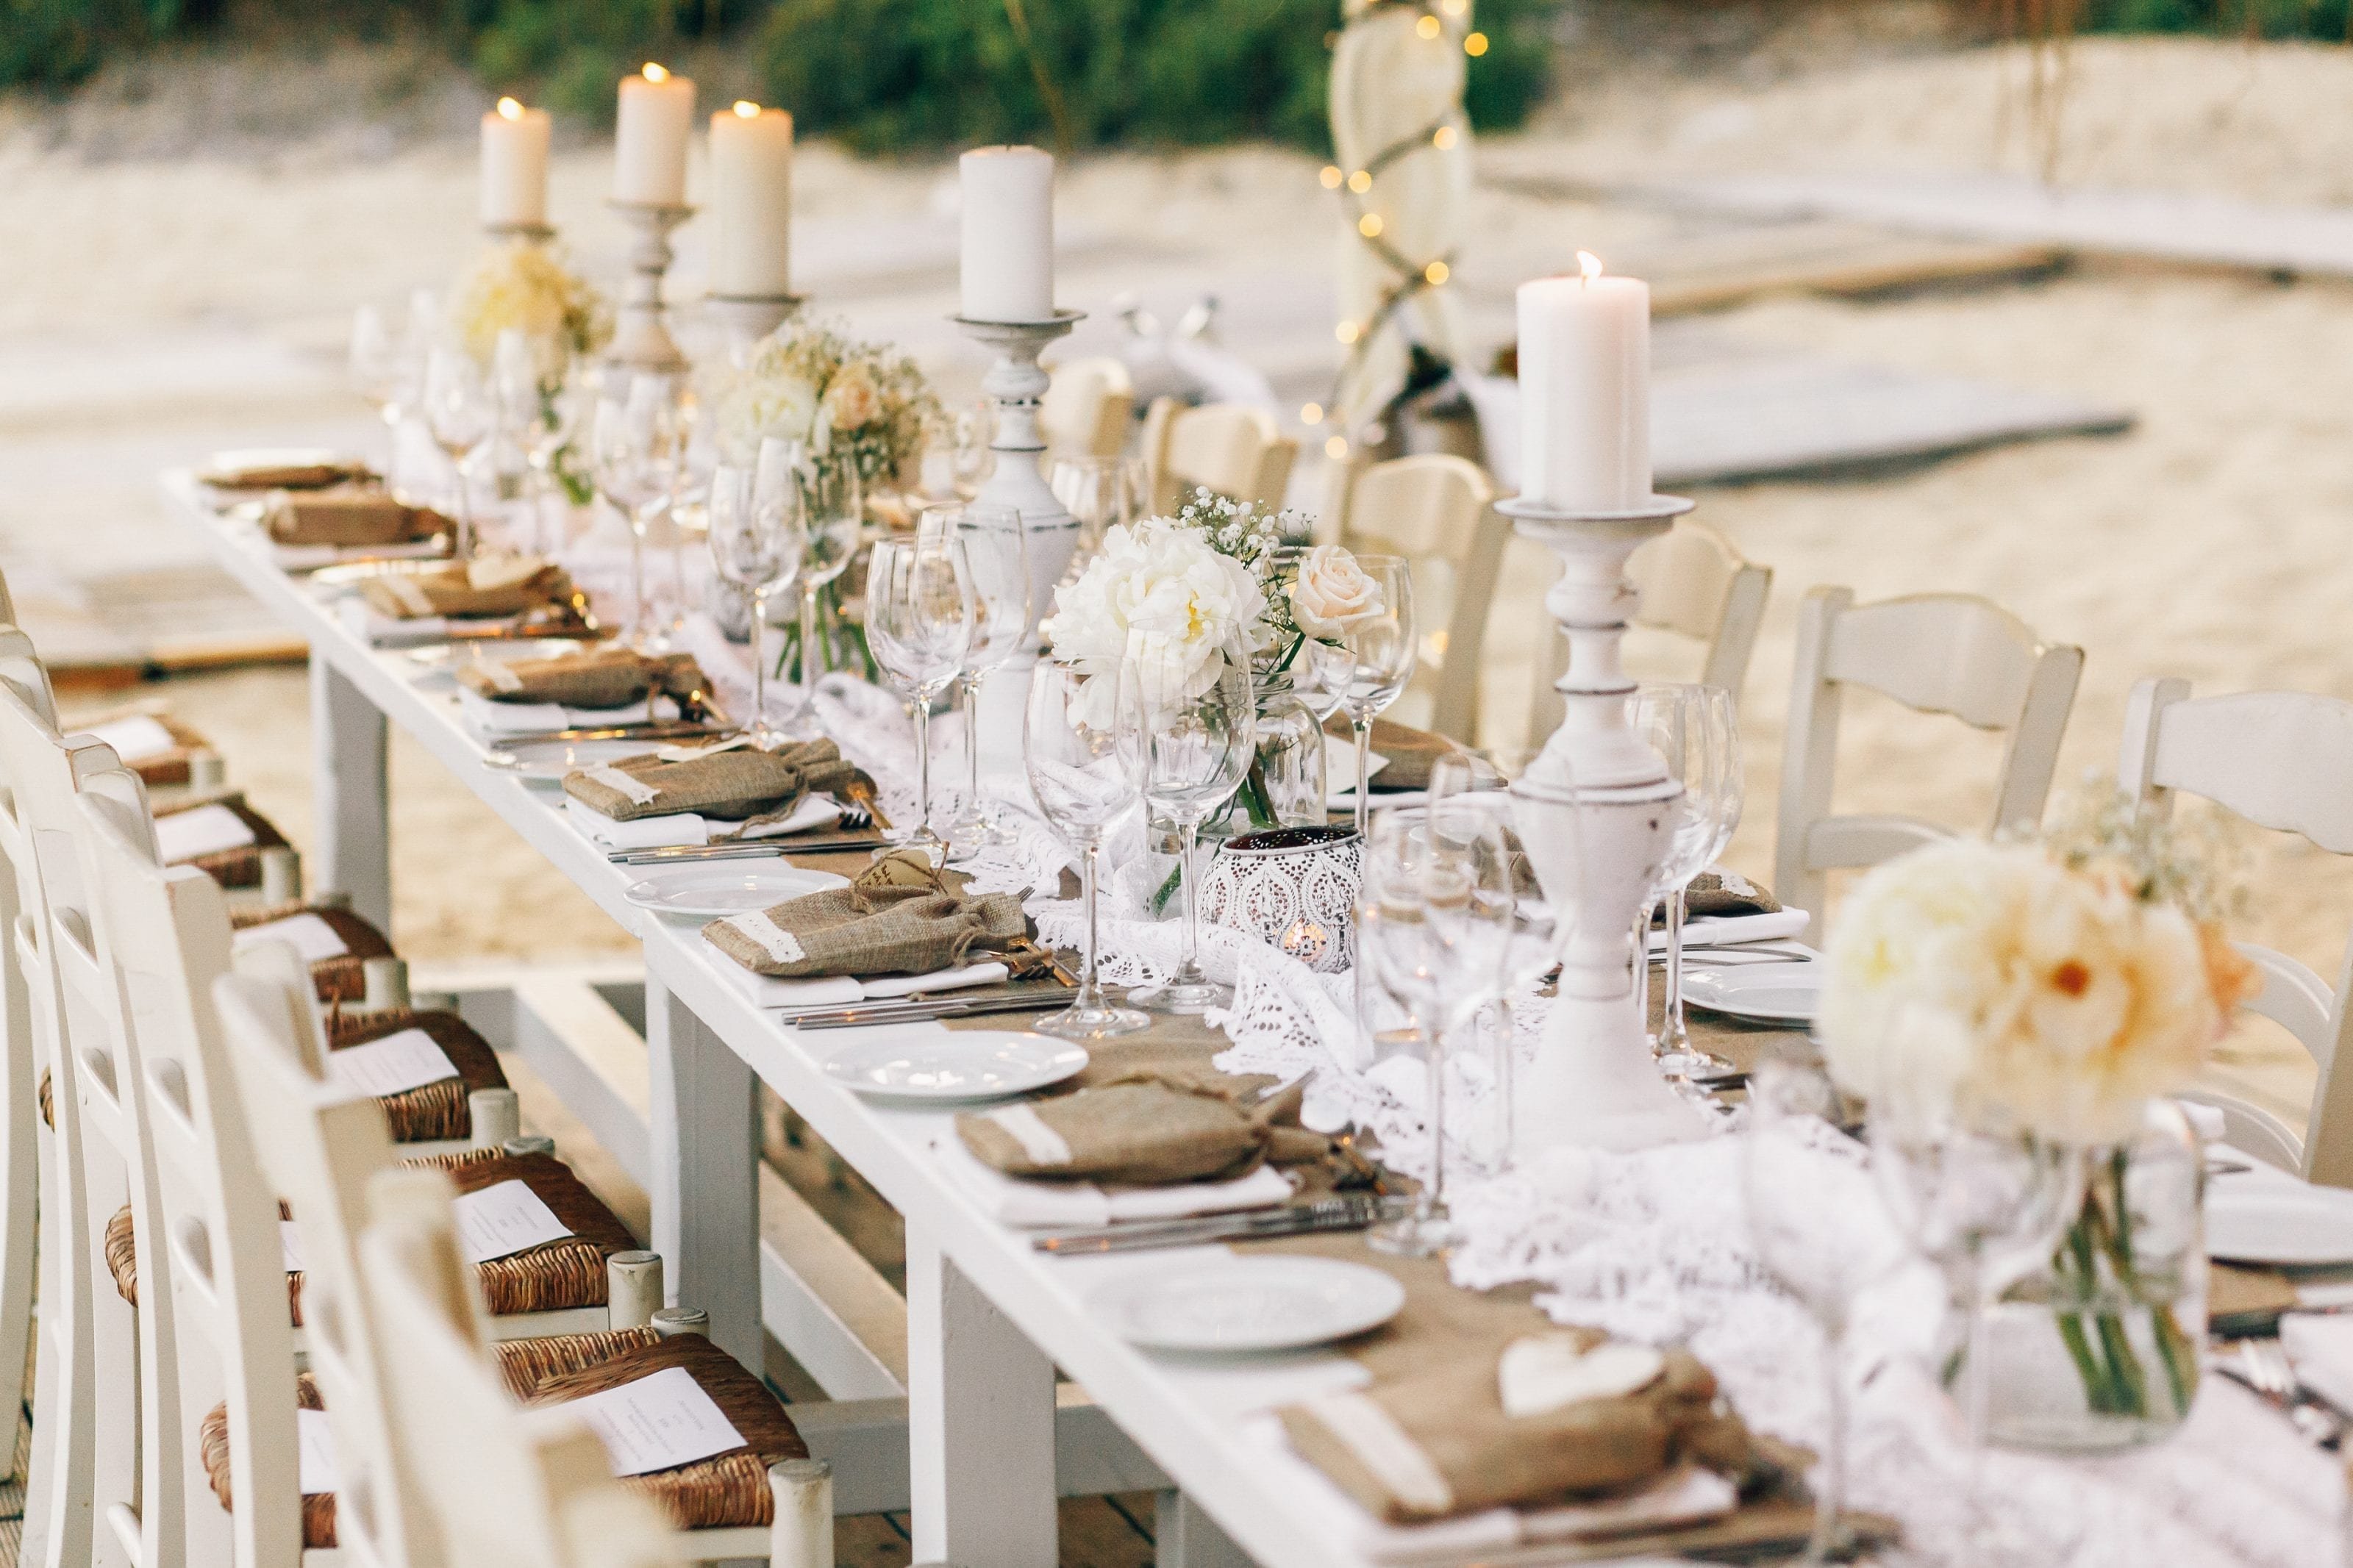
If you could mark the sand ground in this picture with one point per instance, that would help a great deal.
(2208, 542)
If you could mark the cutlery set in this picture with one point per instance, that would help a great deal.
(1354, 1211)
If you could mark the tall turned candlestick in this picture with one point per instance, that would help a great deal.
(1595, 810)
(748, 318)
(1014, 385)
(640, 339)
(528, 232)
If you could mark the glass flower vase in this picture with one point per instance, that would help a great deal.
(2100, 1347)
(1284, 787)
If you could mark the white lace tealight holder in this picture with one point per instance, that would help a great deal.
(1293, 887)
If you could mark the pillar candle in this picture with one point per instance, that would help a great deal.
(649, 135)
(514, 164)
(1585, 390)
(1008, 235)
(752, 202)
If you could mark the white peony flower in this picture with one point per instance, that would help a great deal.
(754, 407)
(1158, 597)
(1333, 595)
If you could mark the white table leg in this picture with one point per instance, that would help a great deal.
(705, 1143)
(980, 1420)
(1183, 1536)
(348, 795)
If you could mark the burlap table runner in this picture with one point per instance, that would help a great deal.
(490, 585)
(604, 678)
(349, 515)
(276, 475)
(1737, 1041)
(743, 785)
(897, 917)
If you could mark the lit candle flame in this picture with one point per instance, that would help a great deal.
(655, 73)
(747, 110)
(1588, 264)
(509, 109)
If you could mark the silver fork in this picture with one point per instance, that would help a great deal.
(2263, 1366)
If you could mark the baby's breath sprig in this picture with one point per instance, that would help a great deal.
(1254, 534)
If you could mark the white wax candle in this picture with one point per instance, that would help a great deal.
(514, 164)
(752, 202)
(1585, 390)
(657, 111)
(1008, 233)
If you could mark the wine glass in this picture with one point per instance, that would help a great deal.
(1375, 659)
(919, 626)
(757, 540)
(690, 509)
(1817, 1222)
(1098, 492)
(997, 548)
(834, 500)
(970, 458)
(379, 376)
(1695, 729)
(461, 416)
(1071, 749)
(1191, 734)
(535, 412)
(634, 457)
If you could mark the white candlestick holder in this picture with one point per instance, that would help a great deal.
(1594, 810)
(529, 233)
(748, 318)
(641, 340)
(1014, 385)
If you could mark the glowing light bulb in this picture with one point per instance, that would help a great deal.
(1438, 272)
(1369, 226)
(1331, 176)
(1336, 448)
(1360, 182)
(1475, 45)
(1443, 137)
(747, 110)
(1454, 7)
(1427, 26)
(509, 109)
(1313, 413)
(1347, 332)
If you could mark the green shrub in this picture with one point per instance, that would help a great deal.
(2263, 18)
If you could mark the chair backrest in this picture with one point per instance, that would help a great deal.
(26, 1153)
(1088, 407)
(1937, 653)
(322, 1152)
(1690, 581)
(505, 1485)
(97, 1440)
(1231, 448)
(1437, 512)
(2282, 759)
(211, 1262)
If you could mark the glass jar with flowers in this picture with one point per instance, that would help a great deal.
(523, 287)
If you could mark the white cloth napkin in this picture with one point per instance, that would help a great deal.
(492, 719)
(843, 990)
(1340, 773)
(679, 828)
(1685, 1495)
(135, 737)
(311, 557)
(2320, 1345)
(385, 631)
(1055, 1206)
(1730, 930)
(200, 830)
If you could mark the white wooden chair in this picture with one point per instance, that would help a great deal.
(1690, 581)
(2282, 759)
(20, 1150)
(1229, 448)
(1437, 511)
(1088, 407)
(1935, 653)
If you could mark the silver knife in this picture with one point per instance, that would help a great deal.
(746, 848)
(654, 730)
(916, 1011)
(1353, 1212)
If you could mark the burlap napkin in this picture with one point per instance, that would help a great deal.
(234, 471)
(1411, 753)
(899, 917)
(1442, 1443)
(1143, 1129)
(490, 585)
(745, 784)
(348, 516)
(1721, 892)
(608, 678)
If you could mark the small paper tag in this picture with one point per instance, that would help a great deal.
(501, 678)
(289, 1245)
(505, 1219)
(135, 739)
(635, 790)
(308, 934)
(689, 754)
(394, 1065)
(201, 830)
(408, 596)
(1545, 1371)
(656, 1423)
(1029, 1129)
(315, 1453)
(488, 572)
(772, 939)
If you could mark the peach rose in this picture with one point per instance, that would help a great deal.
(1333, 595)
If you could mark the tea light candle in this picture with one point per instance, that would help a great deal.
(1008, 233)
(656, 111)
(752, 202)
(1585, 390)
(514, 164)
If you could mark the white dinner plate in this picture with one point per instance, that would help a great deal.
(440, 663)
(1769, 993)
(714, 890)
(546, 762)
(2276, 1223)
(1249, 1304)
(916, 1061)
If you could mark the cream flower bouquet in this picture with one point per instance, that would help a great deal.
(860, 408)
(526, 287)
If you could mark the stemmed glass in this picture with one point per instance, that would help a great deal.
(535, 414)
(1191, 738)
(1375, 659)
(1695, 729)
(634, 452)
(380, 376)
(757, 540)
(919, 626)
(997, 548)
(1818, 1224)
(1098, 492)
(1072, 748)
(835, 503)
(459, 412)
(698, 459)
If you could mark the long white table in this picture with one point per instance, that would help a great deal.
(989, 1318)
